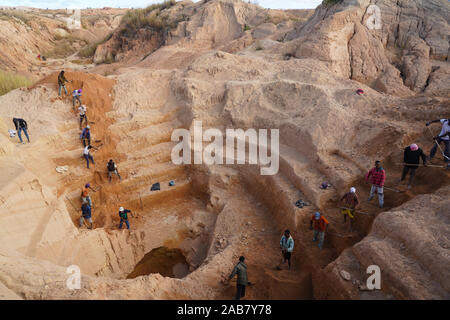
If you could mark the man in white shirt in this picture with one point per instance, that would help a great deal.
(83, 116)
(444, 136)
(87, 155)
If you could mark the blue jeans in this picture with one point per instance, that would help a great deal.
(26, 134)
(446, 150)
(62, 86)
(126, 222)
(87, 157)
(380, 194)
(82, 220)
(321, 235)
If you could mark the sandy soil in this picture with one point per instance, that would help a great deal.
(270, 76)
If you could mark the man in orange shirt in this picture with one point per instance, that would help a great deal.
(320, 227)
(85, 194)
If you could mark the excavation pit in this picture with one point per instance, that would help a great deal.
(168, 262)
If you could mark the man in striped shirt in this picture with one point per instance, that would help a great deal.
(377, 177)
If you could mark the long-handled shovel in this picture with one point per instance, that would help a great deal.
(420, 165)
(369, 214)
(435, 141)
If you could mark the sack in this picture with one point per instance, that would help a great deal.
(155, 187)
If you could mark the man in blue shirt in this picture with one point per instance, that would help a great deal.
(287, 246)
(86, 136)
(86, 214)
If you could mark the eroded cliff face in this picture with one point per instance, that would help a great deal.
(303, 85)
(400, 56)
(26, 34)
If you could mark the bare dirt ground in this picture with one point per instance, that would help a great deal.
(297, 72)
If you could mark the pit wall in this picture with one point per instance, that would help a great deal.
(37, 223)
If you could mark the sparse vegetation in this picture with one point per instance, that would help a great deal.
(61, 50)
(15, 14)
(10, 82)
(108, 59)
(149, 17)
(89, 50)
(82, 61)
(330, 2)
(246, 27)
(64, 47)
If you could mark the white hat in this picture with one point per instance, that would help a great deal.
(352, 190)
(121, 209)
(88, 126)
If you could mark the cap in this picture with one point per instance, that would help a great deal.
(88, 126)
(352, 190)
(79, 90)
(414, 147)
(317, 215)
(87, 185)
(121, 209)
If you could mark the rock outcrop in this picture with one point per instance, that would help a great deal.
(413, 34)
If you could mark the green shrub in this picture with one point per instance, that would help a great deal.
(330, 2)
(246, 27)
(10, 82)
(150, 16)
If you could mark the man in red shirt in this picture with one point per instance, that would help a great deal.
(320, 227)
(377, 177)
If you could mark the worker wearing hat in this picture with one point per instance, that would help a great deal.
(411, 158)
(76, 94)
(86, 136)
(349, 202)
(85, 194)
(123, 214)
(320, 226)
